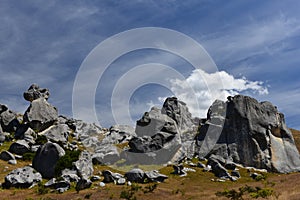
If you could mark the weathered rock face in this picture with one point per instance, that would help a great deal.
(2, 135)
(119, 134)
(135, 175)
(153, 122)
(40, 115)
(250, 133)
(167, 133)
(111, 176)
(84, 165)
(107, 154)
(178, 111)
(22, 178)
(35, 92)
(19, 147)
(6, 156)
(60, 186)
(46, 158)
(9, 121)
(155, 176)
(57, 133)
(83, 183)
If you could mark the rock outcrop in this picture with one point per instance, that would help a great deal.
(40, 115)
(22, 178)
(164, 135)
(84, 165)
(19, 147)
(8, 119)
(57, 133)
(46, 158)
(35, 92)
(250, 133)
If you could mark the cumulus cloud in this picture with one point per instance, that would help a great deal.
(200, 89)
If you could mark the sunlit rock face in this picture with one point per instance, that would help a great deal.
(248, 132)
(165, 134)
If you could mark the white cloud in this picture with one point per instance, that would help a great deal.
(200, 89)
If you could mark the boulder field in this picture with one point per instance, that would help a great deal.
(238, 132)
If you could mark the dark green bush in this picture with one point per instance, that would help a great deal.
(28, 156)
(263, 193)
(41, 189)
(254, 192)
(41, 139)
(66, 161)
(150, 188)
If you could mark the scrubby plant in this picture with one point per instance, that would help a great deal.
(263, 193)
(150, 188)
(28, 156)
(66, 161)
(127, 194)
(254, 192)
(41, 189)
(41, 139)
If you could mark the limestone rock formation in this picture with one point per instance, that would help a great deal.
(6, 156)
(22, 178)
(155, 176)
(135, 175)
(35, 92)
(19, 147)
(60, 186)
(164, 134)
(111, 176)
(245, 131)
(57, 133)
(40, 115)
(46, 158)
(8, 119)
(84, 165)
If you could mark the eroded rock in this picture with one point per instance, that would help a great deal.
(40, 115)
(46, 158)
(22, 178)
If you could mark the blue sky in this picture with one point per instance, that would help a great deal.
(45, 42)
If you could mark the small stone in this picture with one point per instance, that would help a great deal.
(102, 184)
(236, 173)
(201, 165)
(121, 181)
(12, 162)
(95, 178)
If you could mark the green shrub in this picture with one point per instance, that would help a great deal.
(263, 193)
(88, 196)
(41, 139)
(41, 189)
(254, 192)
(66, 161)
(232, 194)
(28, 156)
(127, 194)
(150, 188)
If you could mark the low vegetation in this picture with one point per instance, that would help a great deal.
(66, 161)
(254, 192)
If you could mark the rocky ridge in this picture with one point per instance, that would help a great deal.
(238, 132)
